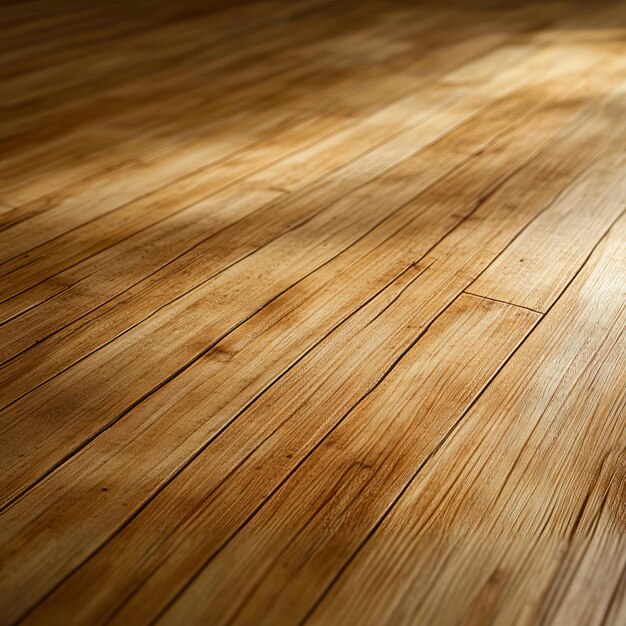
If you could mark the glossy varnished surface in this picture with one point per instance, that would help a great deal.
(312, 312)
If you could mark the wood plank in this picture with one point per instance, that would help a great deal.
(333, 499)
(289, 263)
(223, 369)
(536, 267)
(94, 284)
(287, 152)
(154, 110)
(515, 324)
(523, 506)
(244, 377)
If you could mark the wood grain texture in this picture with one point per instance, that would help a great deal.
(288, 259)
(535, 268)
(535, 531)
(312, 312)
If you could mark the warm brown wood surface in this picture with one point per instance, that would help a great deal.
(313, 312)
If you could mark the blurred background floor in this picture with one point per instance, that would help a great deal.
(312, 312)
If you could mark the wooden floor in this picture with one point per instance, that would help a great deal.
(313, 312)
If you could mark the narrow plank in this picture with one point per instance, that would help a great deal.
(279, 158)
(257, 439)
(348, 481)
(535, 268)
(138, 56)
(183, 343)
(523, 505)
(495, 320)
(164, 118)
(151, 108)
(205, 140)
(84, 297)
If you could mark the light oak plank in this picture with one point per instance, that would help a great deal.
(288, 160)
(289, 261)
(536, 267)
(94, 283)
(192, 392)
(244, 377)
(337, 495)
(523, 506)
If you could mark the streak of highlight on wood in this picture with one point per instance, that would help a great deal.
(313, 313)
